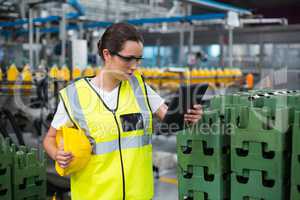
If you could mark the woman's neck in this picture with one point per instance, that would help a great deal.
(105, 80)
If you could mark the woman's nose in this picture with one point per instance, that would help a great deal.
(134, 65)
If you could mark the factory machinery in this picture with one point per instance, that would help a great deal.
(156, 77)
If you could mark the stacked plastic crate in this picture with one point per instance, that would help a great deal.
(294, 103)
(260, 146)
(29, 175)
(5, 170)
(203, 158)
(24, 174)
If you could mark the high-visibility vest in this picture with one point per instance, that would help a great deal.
(121, 165)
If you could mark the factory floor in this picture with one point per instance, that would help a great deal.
(166, 186)
(164, 150)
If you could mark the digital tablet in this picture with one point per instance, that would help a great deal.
(185, 97)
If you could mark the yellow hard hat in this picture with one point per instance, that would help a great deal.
(76, 142)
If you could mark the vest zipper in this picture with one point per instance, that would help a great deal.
(120, 151)
(119, 132)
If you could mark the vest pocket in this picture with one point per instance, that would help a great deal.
(132, 122)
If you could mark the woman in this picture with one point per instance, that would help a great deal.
(115, 110)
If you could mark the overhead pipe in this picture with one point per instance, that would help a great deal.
(177, 19)
(48, 30)
(74, 3)
(192, 18)
(142, 21)
(221, 6)
(96, 24)
(69, 27)
(282, 21)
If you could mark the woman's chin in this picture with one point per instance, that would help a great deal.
(124, 77)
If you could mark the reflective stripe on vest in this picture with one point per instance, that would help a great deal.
(134, 141)
(129, 142)
(126, 143)
(76, 109)
(140, 97)
(135, 147)
(77, 112)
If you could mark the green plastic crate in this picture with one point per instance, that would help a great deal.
(260, 125)
(5, 169)
(189, 194)
(28, 175)
(253, 158)
(295, 192)
(257, 184)
(295, 177)
(207, 147)
(5, 183)
(295, 166)
(296, 133)
(198, 183)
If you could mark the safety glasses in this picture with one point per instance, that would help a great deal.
(128, 59)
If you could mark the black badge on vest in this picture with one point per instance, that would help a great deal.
(131, 122)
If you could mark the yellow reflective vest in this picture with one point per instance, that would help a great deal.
(121, 164)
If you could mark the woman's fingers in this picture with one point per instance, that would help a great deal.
(194, 115)
(192, 119)
(197, 109)
(197, 106)
(63, 158)
(63, 154)
(64, 163)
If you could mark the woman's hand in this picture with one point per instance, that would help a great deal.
(193, 115)
(63, 158)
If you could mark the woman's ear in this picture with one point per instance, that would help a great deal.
(106, 54)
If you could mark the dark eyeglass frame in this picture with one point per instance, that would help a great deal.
(128, 59)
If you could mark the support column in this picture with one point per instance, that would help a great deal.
(181, 46)
(221, 43)
(81, 31)
(30, 27)
(158, 61)
(62, 30)
(37, 42)
(230, 46)
(191, 41)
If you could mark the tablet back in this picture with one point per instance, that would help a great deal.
(184, 99)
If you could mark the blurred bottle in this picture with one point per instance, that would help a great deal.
(76, 73)
(89, 71)
(54, 72)
(12, 76)
(250, 81)
(65, 73)
(26, 79)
